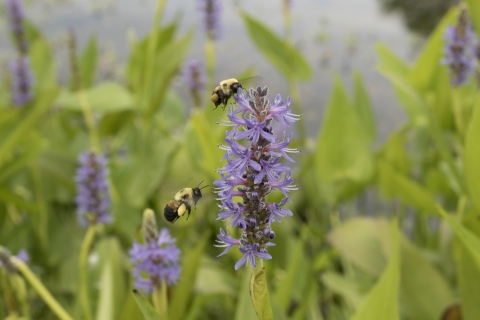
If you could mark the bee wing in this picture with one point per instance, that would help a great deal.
(251, 82)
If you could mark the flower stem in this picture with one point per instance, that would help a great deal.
(83, 285)
(259, 292)
(210, 63)
(458, 113)
(88, 115)
(40, 289)
(160, 299)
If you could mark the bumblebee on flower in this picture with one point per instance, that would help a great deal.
(254, 171)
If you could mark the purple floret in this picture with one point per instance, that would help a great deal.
(93, 198)
(154, 262)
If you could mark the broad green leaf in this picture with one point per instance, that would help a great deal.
(168, 59)
(106, 97)
(211, 279)
(441, 103)
(244, 308)
(43, 65)
(364, 108)
(359, 240)
(281, 54)
(259, 295)
(343, 143)
(394, 151)
(472, 156)
(425, 69)
(183, 291)
(28, 118)
(286, 288)
(172, 113)
(474, 7)
(112, 284)
(468, 277)
(88, 63)
(382, 300)
(395, 184)
(147, 309)
(350, 290)
(208, 140)
(390, 61)
(424, 291)
(467, 237)
(409, 98)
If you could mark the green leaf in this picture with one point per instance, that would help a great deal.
(364, 108)
(425, 292)
(168, 59)
(348, 288)
(147, 309)
(106, 97)
(183, 291)
(27, 118)
(409, 98)
(43, 65)
(467, 237)
(468, 277)
(474, 7)
(390, 61)
(343, 145)
(382, 300)
(112, 281)
(286, 288)
(244, 308)
(472, 156)
(281, 54)
(88, 63)
(359, 240)
(259, 295)
(425, 69)
(395, 184)
(394, 152)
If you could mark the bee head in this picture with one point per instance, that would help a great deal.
(197, 194)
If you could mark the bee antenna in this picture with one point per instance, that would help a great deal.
(200, 184)
(204, 187)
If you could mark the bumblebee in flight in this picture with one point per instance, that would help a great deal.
(182, 202)
(224, 91)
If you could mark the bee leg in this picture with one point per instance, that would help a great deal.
(188, 215)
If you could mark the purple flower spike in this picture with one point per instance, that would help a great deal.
(461, 46)
(155, 262)
(93, 198)
(16, 16)
(194, 78)
(22, 81)
(253, 170)
(211, 10)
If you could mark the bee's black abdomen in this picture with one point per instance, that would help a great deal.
(170, 214)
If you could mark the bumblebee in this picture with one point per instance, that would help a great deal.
(182, 202)
(224, 91)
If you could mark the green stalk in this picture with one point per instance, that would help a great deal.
(458, 113)
(83, 272)
(160, 300)
(88, 115)
(42, 208)
(445, 153)
(210, 61)
(18, 283)
(40, 289)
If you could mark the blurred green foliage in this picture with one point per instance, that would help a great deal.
(324, 266)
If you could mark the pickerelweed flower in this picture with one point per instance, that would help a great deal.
(253, 171)
(22, 81)
(93, 198)
(460, 49)
(155, 261)
(194, 78)
(211, 9)
(5, 258)
(16, 16)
